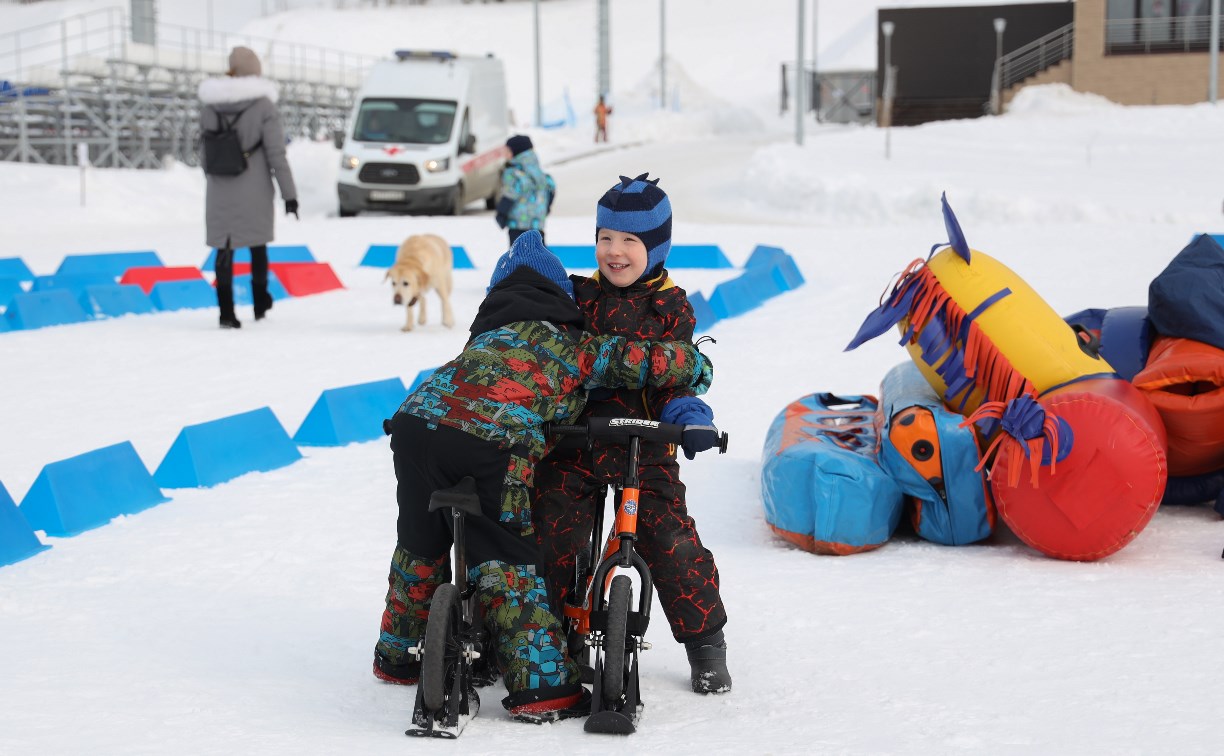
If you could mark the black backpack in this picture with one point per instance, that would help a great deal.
(223, 153)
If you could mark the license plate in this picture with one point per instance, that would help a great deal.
(385, 195)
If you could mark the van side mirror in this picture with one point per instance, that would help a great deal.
(338, 138)
(469, 145)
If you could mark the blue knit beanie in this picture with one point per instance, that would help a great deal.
(529, 250)
(639, 207)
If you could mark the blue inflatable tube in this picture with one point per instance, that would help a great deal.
(822, 488)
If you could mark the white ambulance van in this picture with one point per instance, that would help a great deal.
(427, 134)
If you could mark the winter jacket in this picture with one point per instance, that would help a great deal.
(526, 193)
(239, 210)
(655, 309)
(528, 362)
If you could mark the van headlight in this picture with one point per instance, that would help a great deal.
(349, 161)
(437, 166)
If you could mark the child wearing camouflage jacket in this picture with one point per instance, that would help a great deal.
(482, 415)
(631, 295)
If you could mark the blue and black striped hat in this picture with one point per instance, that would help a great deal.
(639, 207)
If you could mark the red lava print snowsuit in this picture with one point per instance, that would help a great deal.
(569, 482)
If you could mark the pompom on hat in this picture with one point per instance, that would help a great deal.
(639, 207)
(529, 250)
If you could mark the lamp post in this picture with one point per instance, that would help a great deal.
(887, 28)
(799, 76)
(662, 55)
(996, 89)
(1215, 50)
(535, 21)
(815, 68)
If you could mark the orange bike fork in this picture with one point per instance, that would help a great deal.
(624, 526)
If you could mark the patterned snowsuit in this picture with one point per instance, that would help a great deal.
(482, 415)
(569, 483)
(526, 195)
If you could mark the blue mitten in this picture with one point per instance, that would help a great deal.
(693, 412)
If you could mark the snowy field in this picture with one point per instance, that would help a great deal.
(241, 618)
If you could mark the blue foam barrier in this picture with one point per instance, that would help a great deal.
(112, 264)
(179, 295)
(351, 414)
(421, 377)
(681, 256)
(73, 282)
(17, 539)
(219, 450)
(113, 300)
(383, 256)
(242, 289)
(15, 267)
(38, 309)
(784, 267)
(735, 297)
(697, 256)
(9, 287)
(276, 253)
(575, 255)
(702, 312)
(83, 492)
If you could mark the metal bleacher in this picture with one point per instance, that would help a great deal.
(81, 80)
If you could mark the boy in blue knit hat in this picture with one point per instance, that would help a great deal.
(528, 362)
(631, 295)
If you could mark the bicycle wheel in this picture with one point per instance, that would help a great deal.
(440, 648)
(615, 640)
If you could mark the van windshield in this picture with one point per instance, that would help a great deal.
(393, 119)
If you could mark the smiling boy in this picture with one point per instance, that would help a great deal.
(631, 295)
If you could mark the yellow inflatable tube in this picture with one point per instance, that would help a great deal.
(979, 333)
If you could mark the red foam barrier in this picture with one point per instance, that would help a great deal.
(145, 278)
(1103, 494)
(299, 278)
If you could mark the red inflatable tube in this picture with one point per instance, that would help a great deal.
(1103, 494)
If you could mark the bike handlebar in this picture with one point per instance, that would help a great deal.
(624, 428)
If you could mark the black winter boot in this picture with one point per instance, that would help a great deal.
(708, 663)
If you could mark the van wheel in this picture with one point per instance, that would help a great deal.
(347, 213)
(492, 199)
(457, 203)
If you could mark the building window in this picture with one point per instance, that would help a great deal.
(1155, 26)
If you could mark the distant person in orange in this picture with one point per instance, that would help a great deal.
(602, 111)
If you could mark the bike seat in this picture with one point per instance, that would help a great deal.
(461, 496)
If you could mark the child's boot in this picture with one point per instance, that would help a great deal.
(410, 585)
(708, 662)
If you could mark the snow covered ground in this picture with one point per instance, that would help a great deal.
(241, 618)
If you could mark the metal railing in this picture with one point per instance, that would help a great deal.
(81, 81)
(1035, 57)
(1157, 35)
(40, 54)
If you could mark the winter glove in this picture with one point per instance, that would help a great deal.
(501, 219)
(687, 410)
(703, 375)
(291, 208)
(693, 412)
(698, 438)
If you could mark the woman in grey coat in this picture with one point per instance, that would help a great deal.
(239, 209)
